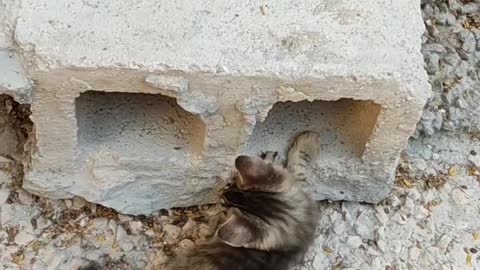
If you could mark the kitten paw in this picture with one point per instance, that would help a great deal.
(305, 146)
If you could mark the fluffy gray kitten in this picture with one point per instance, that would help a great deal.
(270, 220)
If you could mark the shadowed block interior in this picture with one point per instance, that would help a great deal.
(344, 126)
(136, 125)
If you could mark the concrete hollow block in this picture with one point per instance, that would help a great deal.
(137, 125)
(345, 127)
(141, 116)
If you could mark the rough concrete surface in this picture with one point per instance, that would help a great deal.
(430, 220)
(229, 68)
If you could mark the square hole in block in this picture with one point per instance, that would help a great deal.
(344, 126)
(133, 125)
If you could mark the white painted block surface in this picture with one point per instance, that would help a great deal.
(144, 105)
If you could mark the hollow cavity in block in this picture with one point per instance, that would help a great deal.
(344, 126)
(136, 125)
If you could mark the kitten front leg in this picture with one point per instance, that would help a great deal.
(302, 153)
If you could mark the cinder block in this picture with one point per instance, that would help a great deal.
(144, 105)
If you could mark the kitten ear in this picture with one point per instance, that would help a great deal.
(236, 231)
(254, 171)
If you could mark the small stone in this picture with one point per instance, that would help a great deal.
(474, 160)
(413, 253)
(372, 251)
(23, 238)
(380, 233)
(159, 258)
(100, 223)
(432, 60)
(68, 203)
(135, 226)
(382, 245)
(399, 218)
(414, 194)
(4, 177)
(78, 203)
(458, 196)
(421, 213)
(408, 206)
(186, 244)
(189, 225)
(419, 164)
(340, 228)
(381, 215)
(124, 218)
(450, 20)
(444, 241)
(205, 231)
(394, 201)
(354, 241)
(172, 233)
(42, 223)
(123, 240)
(4, 194)
(471, 8)
(83, 222)
(24, 197)
(434, 47)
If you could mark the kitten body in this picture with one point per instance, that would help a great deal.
(271, 221)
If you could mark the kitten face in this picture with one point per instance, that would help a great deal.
(268, 210)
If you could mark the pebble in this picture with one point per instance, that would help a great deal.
(135, 226)
(444, 241)
(474, 160)
(458, 196)
(471, 8)
(123, 240)
(382, 245)
(124, 218)
(186, 244)
(399, 218)
(78, 203)
(434, 47)
(419, 164)
(354, 241)
(24, 197)
(414, 253)
(4, 194)
(450, 20)
(189, 225)
(68, 203)
(421, 213)
(4, 177)
(172, 233)
(23, 238)
(158, 258)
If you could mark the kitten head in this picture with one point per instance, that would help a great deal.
(267, 208)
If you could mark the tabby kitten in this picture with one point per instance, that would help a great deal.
(270, 220)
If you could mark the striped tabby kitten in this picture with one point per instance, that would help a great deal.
(270, 220)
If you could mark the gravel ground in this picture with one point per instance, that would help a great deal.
(430, 220)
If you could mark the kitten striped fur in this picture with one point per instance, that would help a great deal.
(270, 220)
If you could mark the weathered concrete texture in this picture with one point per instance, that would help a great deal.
(13, 80)
(108, 73)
